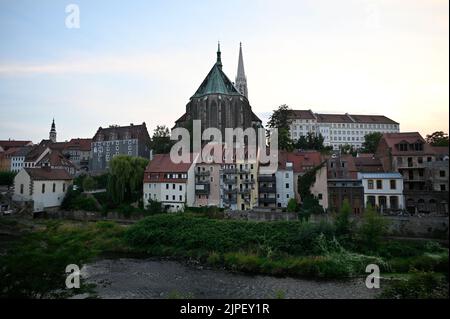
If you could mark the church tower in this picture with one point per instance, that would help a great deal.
(218, 103)
(52, 135)
(241, 79)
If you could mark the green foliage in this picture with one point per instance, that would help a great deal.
(438, 138)
(311, 141)
(292, 205)
(420, 285)
(154, 207)
(373, 227)
(35, 266)
(371, 141)
(89, 183)
(348, 149)
(281, 120)
(185, 233)
(7, 178)
(125, 180)
(344, 225)
(75, 200)
(310, 204)
(161, 143)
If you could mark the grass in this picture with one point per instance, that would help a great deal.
(34, 266)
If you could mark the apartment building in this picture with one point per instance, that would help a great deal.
(172, 184)
(340, 129)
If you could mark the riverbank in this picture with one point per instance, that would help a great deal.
(34, 266)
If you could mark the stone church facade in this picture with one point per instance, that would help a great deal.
(218, 102)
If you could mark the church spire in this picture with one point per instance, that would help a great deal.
(219, 59)
(241, 79)
(52, 135)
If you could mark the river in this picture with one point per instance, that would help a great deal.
(162, 279)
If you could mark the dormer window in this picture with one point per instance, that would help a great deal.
(403, 147)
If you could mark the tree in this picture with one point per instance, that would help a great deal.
(7, 178)
(292, 205)
(125, 178)
(348, 149)
(161, 142)
(281, 120)
(371, 141)
(373, 227)
(311, 141)
(89, 183)
(438, 138)
(342, 222)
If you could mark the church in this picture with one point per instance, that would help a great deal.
(220, 103)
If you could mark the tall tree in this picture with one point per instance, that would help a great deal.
(371, 141)
(161, 143)
(438, 138)
(281, 120)
(125, 178)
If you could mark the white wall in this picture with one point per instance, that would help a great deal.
(284, 194)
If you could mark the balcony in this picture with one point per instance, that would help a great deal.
(202, 173)
(230, 181)
(230, 191)
(229, 171)
(244, 170)
(248, 181)
(266, 178)
(245, 191)
(267, 189)
(271, 200)
(229, 201)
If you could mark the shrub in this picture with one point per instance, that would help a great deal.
(420, 285)
(373, 227)
(89, 183)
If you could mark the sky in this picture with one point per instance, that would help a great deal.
(141, 61)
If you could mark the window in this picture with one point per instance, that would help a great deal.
(287, 185)
(54, 187)
(320, 196)
(429, 159)
(379, 184)
(64, 187)
(287, 195)
(167, 197)
(173, 197)
(370, 184)
(393, 184)
(43, 188)
(21, 188)
(167, 186)
(442, 173)
(420, 160)
(287, 175)
(442, 187)
(181, 198)
(180, 187)
(173, 186)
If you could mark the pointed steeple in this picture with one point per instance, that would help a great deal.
(52, 135)
(241, 79)
(219, 59)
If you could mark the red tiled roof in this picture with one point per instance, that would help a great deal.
(334, 118)
(393, 139)
(83, 144)
(43, 174)
(6, 144)
(301, 161)
(302, 114)
(56, 158)
(372, 119)
(368, 164)
(160, 165)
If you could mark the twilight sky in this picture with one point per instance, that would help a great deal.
(136, 61)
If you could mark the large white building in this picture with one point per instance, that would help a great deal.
(169, 183)
(340, 129)
(383, 190)
(44, 187)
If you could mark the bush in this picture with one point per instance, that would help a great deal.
(373, 227)
(188, 233)
(7, 178)
(420, 285)
(89, 183)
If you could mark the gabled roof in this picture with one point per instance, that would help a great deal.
(393, 139)
(82, 144)
(302, 114)
(6, 144)
(48, 174)
(163, 163)
(56, 159)
(216, 82)
(301, 160)
(122, 132)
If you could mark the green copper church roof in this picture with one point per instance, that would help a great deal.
(216, 82)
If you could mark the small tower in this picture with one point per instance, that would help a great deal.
(52, 135)
(241, 79)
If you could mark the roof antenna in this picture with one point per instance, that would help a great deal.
(219, 60)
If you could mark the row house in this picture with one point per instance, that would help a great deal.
(423, 167)
(18, 158)
(172, 184)
(339, 129)
(383, 190)
(7, 144)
